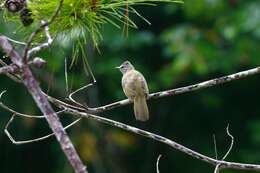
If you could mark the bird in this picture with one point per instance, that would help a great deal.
(135, 88)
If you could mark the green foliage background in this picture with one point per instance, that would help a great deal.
(184, 45)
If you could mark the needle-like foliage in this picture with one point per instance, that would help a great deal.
(81, 20)
(89, 15)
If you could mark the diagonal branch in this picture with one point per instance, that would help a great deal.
(52, 118)
(223, 164)
(219, 164)
(9, 50)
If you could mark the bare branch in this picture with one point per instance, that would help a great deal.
(9, 50)
(215, 146)
(2, 93)
(157, 164)
(22, 114)
(14, 77)
(15, 41)
(32, 140)
(66, 75)
(60, 104)
(220, 164)
(32, 36)
(74, 92)
(28, 116)
(25, 115)
(173, 92)
(43, 45)
(82, 88)
(52, 118)
(217, 168)
(9, 69)
(12, 68)
(231, 144)
(223, 164)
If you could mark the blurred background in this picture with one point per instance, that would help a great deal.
(185, 44)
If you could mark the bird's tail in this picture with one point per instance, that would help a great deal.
(140, 108)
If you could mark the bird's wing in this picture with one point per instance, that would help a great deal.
(141, 83)
(134, 83)
(144, 85)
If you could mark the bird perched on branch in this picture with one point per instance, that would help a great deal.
(136, 89)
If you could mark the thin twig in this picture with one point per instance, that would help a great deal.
(15, 41)
(217, 168)
(215, 146)
(66, 75)
(157, 164)
(28, 116)
(43, 45)
(74, 92)
(22, 114)
(82, 88)
(231, 144)
(32, 36)
(60, 104)
(31, 140)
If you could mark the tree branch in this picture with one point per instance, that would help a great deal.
(171, 92)
(12, 76)
(43, 45)
(231, 143)
(219, 164)
(157, 164)
(31, 140)
(9, 69)
(34, 89)
(222, 164)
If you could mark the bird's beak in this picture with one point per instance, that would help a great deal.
(117, 67)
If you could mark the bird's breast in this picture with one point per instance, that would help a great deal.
(132, 84)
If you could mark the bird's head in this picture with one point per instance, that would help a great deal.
(125, 67)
